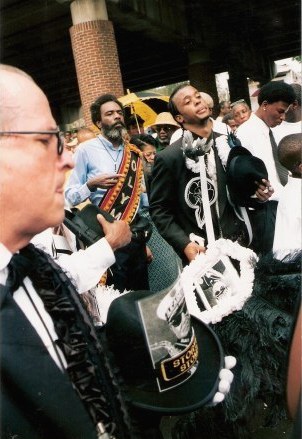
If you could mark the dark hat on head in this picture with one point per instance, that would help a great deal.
(160, 374)
(242, 170)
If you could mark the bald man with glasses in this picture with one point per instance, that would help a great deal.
(55, 378)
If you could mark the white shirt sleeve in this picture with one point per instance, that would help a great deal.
(288, 227)
(86, 267)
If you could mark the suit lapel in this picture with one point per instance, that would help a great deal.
(221, 182)
(36, 394)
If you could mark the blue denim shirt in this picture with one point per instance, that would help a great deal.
(93, 157)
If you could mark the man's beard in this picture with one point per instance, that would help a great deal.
(204, 121)
(200, 122)
(114, 133)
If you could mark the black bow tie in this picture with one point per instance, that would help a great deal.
(19, 267)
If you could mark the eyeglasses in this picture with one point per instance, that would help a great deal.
(241, 101)
(60, 142)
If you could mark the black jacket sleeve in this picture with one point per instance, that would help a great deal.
(164, 200)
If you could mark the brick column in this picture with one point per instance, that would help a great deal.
(96, 58)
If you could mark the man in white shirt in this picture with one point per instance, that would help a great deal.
(255, 134)
(288, 230)
(292, 122)
(51, 359)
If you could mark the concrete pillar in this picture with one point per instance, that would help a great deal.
(95, 52)
(238, 84)
(201, 73)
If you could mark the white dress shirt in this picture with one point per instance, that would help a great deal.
(254, 136)
(24, 303)
(84, 267)
(286, 128)
(288, 228)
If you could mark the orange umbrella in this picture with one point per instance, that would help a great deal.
(145, 105)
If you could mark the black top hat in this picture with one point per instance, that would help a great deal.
(167, 385)
(242, 170)
(84, 224)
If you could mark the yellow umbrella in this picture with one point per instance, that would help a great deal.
(145, 105)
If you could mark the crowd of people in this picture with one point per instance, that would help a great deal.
(171, 178)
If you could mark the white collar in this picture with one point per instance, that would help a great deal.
(260, 122)
(5, 256)
(107, 144)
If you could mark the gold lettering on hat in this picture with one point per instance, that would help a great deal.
(172, 368)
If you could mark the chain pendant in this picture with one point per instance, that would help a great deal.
(112, 158)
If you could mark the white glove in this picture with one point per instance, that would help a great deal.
(225, 380)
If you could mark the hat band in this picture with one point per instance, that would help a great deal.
(174, 367)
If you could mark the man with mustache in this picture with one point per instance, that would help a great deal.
(176, 204)
(108, 171)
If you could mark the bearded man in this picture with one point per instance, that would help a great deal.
(108, 171)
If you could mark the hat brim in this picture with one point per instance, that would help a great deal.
(242, 171)
(237, 151)
(194, 393)
(84, 223)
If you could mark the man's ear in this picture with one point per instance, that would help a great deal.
(179, 118)
(264, 105)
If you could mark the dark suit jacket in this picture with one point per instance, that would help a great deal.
(37, 399)
(171, 214)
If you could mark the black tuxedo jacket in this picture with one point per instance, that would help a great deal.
(37, 399)
(172, 215)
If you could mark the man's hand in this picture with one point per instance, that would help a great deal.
(264, 191)
(118, 233)
(103, 181)
(192, 250)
